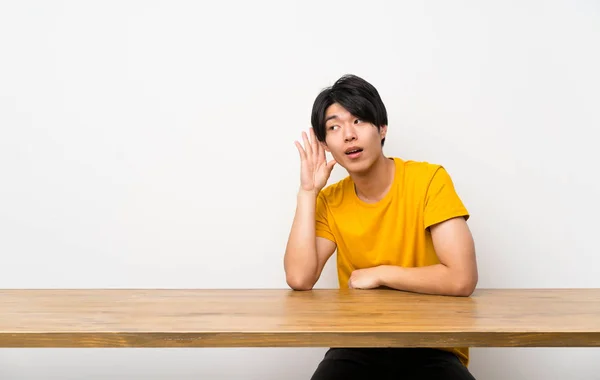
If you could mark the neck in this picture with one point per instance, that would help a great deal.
(372, 185)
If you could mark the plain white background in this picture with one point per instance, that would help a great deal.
(149, 144)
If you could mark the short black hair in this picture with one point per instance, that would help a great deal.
(357, 96)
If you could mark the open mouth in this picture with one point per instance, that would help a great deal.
(354, 151)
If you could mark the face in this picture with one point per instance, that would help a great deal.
(355, 144)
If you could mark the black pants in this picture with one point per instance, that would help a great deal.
(390, 363)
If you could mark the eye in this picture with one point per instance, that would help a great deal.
(331, 127)
(357, 121)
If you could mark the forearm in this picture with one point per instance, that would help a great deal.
(433, 279)
(300, 260)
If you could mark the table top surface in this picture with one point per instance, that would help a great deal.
(281, 317)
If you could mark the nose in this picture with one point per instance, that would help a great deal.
(349, 133)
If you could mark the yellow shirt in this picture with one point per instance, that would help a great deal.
(394, 230)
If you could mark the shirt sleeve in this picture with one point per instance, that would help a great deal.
(441, 201)
(321, 221)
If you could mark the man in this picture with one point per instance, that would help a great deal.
(395, 223)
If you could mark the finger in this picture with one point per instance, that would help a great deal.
(331, 164)
(307, 147)
(322, 157)
(315, 144)
(300, 151)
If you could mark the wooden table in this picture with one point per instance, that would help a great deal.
(286, 318)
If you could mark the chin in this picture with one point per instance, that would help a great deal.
(358, 167)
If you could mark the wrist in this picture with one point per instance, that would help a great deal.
(381, 275)
(308, 193)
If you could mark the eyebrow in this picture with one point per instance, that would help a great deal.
(330, 118)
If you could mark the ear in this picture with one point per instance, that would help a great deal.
(324, 144)
(383, 131)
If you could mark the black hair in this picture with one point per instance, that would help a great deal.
(357, 96)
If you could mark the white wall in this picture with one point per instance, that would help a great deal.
(150, 144)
